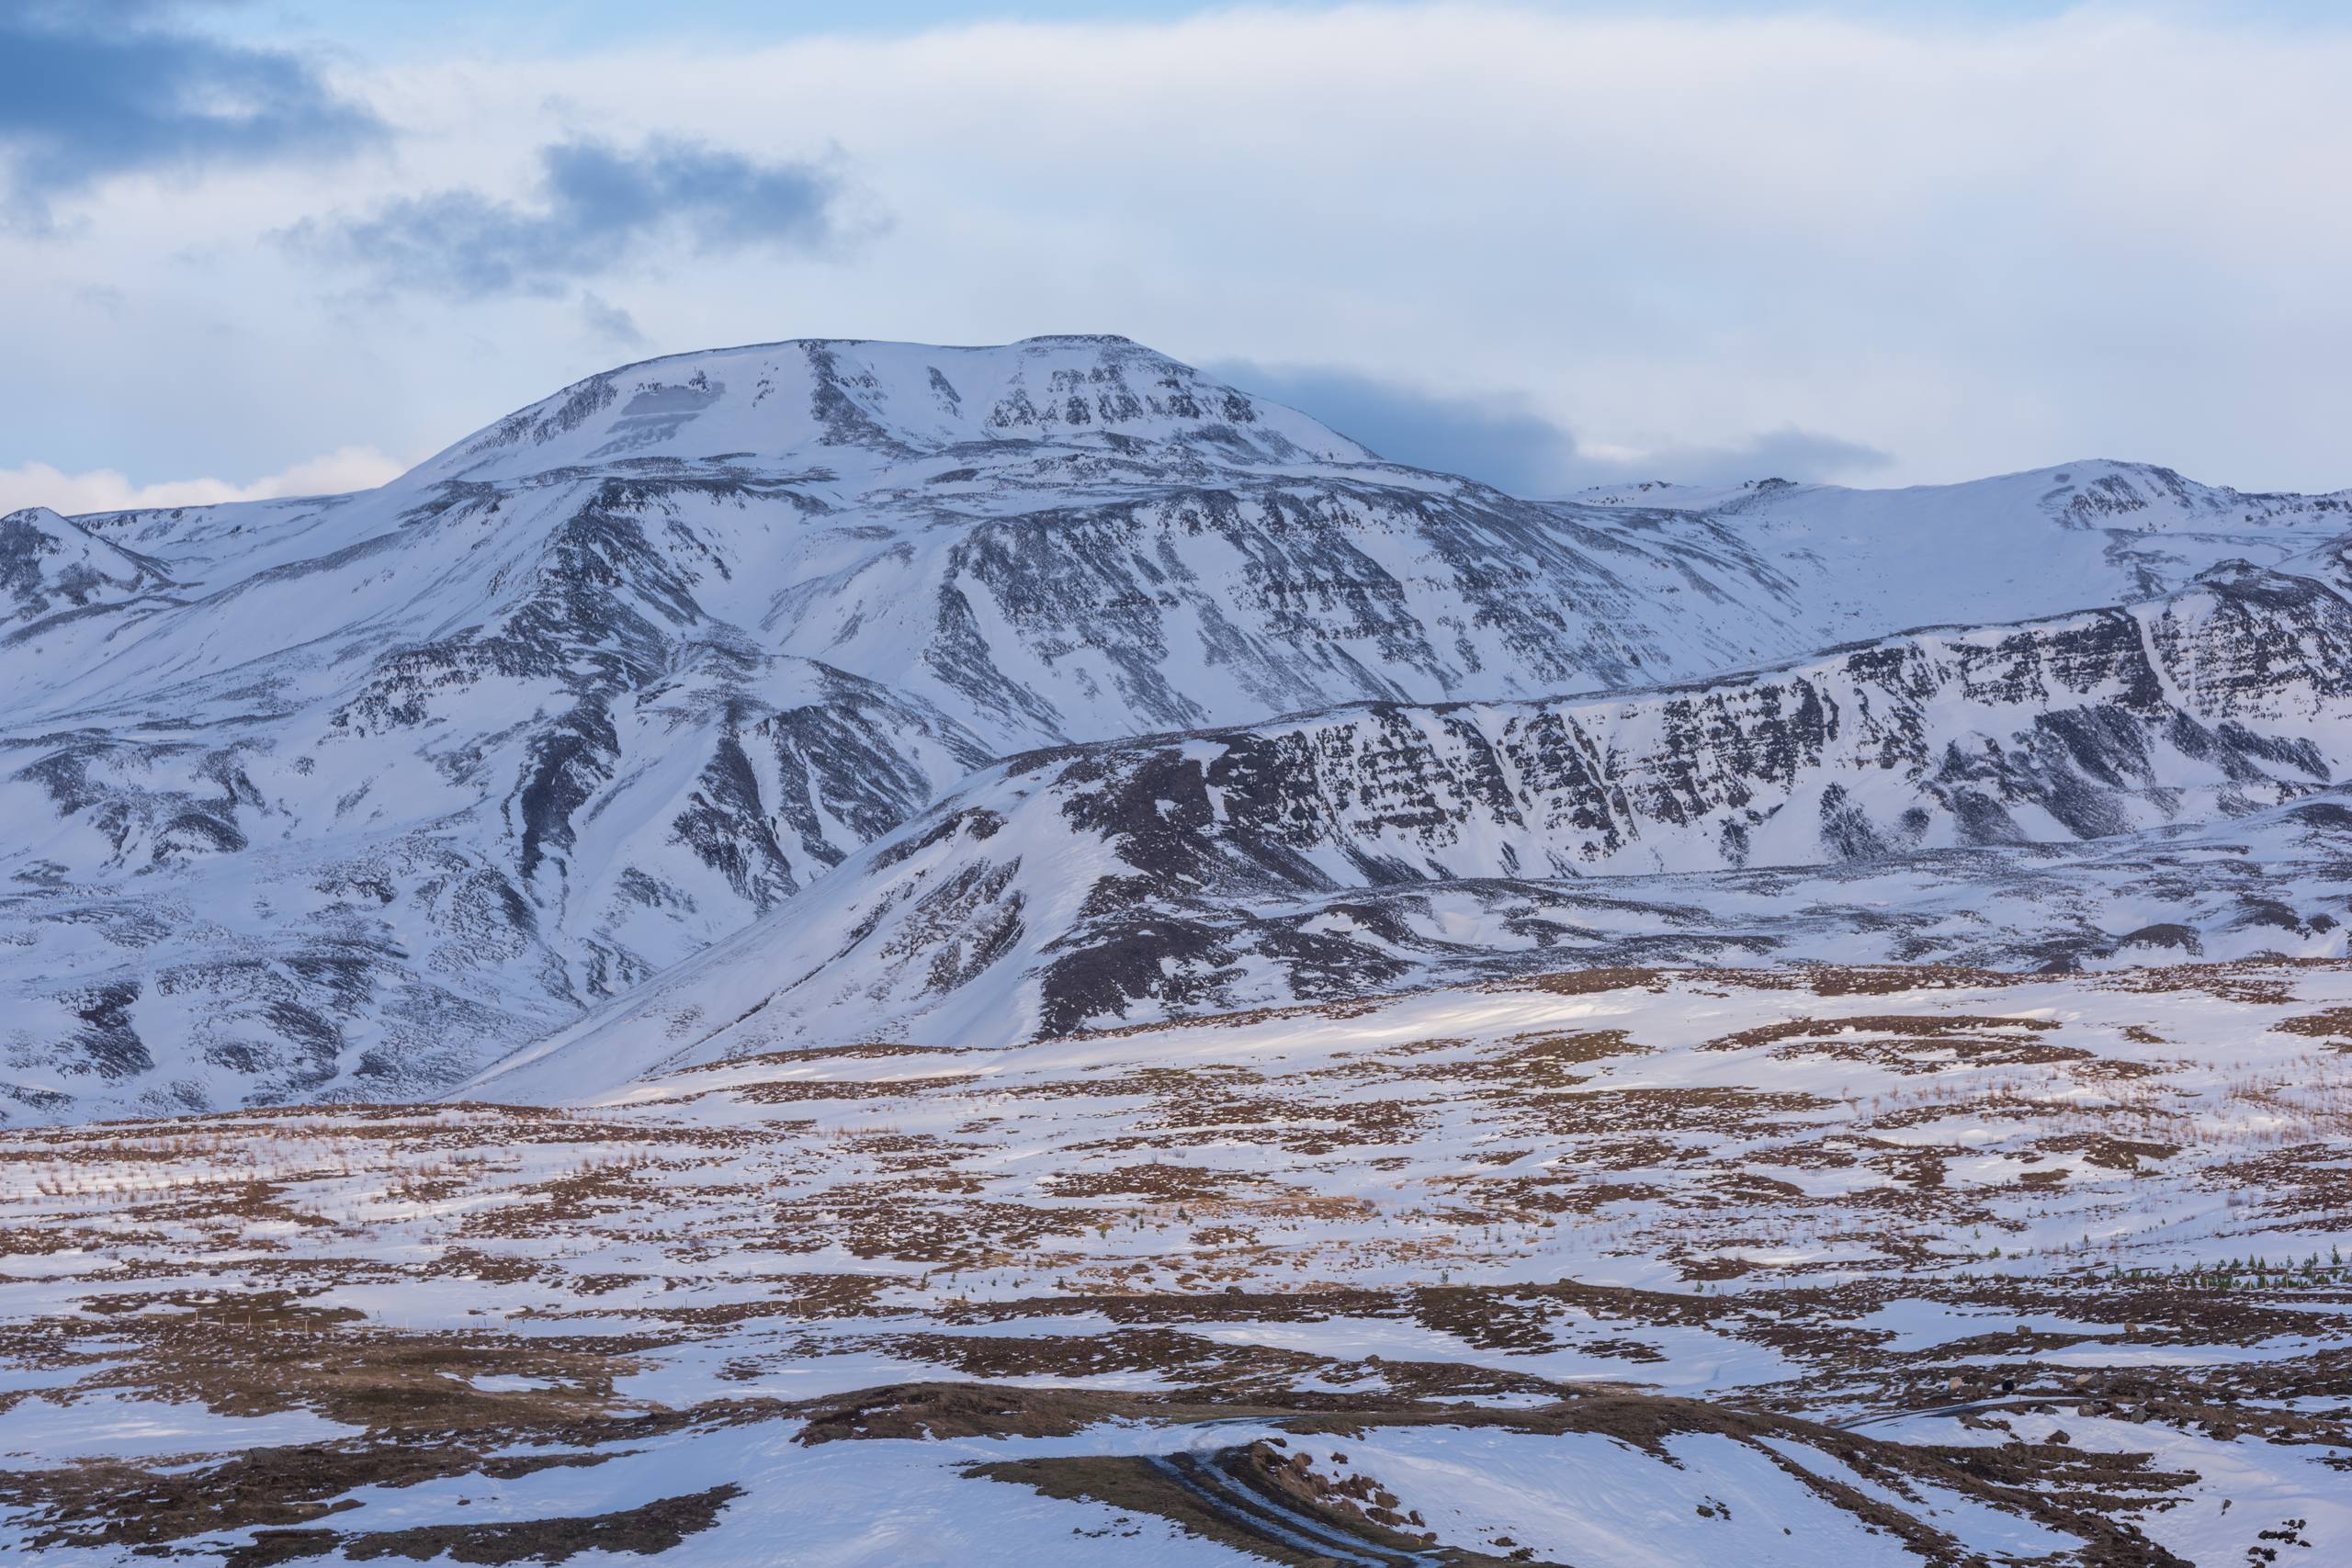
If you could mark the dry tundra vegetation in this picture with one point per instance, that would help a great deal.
(1544, 1270)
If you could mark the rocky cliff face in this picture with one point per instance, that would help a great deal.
(345, 797)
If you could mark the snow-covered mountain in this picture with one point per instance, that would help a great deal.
(2007, 548)
(347, 796)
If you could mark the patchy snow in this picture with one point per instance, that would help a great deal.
(48, 1429)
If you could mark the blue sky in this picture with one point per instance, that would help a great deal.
(588, 25)
(281, 244)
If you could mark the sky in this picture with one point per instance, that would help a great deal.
(254, 247)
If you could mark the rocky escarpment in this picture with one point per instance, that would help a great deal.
(1084, 888)
(50, 567)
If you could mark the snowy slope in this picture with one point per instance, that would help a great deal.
(345, 796)
(52, 570)
(951, 970)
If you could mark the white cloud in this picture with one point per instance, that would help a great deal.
(103, 489)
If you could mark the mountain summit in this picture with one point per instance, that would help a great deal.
(867, 405)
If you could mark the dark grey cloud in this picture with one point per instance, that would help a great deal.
(1508, 444)
(1494, 439)
(96, 89)
(596, 204)
(609, 322)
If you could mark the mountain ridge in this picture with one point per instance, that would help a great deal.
(1058, 889)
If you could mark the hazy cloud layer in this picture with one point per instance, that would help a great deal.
(1787, 452)
(1505, 442)
(596, 206)
(104, 489)
(93, 90)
